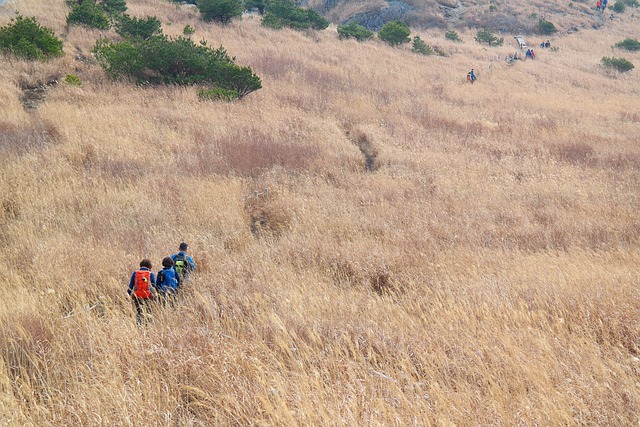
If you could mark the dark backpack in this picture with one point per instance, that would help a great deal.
(167, 280)
(181, 265)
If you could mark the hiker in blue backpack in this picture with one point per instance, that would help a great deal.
(167, 281)
(183, 263)
(142, 290)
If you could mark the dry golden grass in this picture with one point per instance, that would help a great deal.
(379, 242)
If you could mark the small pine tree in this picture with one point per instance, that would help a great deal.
(188, 30)
(632, 45)
(419, 46)
(222, 11)
(90, 14)
(453, 36)
(619, 64)
(285, 13)
(25, 38)
(546, 28)
(395, 33)
(487, 36)
(114, 7)
(354, 30)
(619, 7)
(143, 28)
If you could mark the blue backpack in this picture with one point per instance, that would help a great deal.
(167, 280)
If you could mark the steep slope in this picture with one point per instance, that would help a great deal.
(378, 241)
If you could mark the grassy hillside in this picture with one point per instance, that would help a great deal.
(378, 241)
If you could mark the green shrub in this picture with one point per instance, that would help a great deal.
(487, 36)
(143, 28)
(222, 11)
(90, 14)
(453, 36)
(632, 45)
(165, 60)
(72, 80)
(217, 94)
(546, 28)
(619, 7)
(25, 38)
(419, 46)
(395, 33)
(354, 30)
(632, 3)
(619, 64)
(284, 13)
(188, 30)
(251, 5)
(114, 7)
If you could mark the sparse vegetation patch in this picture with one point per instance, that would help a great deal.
(629, 44)
(618, 64)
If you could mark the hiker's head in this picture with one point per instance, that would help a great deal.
(183, 246)
(145, 263)
(167, 262)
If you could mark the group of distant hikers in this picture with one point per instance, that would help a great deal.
(601, 5)
(145, 287)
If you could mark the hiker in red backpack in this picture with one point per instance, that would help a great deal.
(142, 289)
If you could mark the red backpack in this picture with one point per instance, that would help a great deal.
(141, 285)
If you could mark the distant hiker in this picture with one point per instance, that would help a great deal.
(547, 44)
(471, 76)
(142, 290)
(598, 5)
(604, 4)
(612, 17)
(533, 54)
(168, 281)
(528, 54)
(183, 263)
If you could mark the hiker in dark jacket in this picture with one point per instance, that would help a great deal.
(183, 263)
(168, 281)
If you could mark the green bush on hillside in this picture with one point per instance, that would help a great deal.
(619, 7)
(88, 13)
(546, 28)
(165, 60)
(114, 7)
(25, 38)
(395, 33)
(142, 28)
(632, 3)
(632, 45)
(619, 64)
(354, 30)
(188, 30)
(222, 11)
(453, 36)
(284, 13)
(72, 80)
(487, 36)
(258, 5)
(419, 46)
